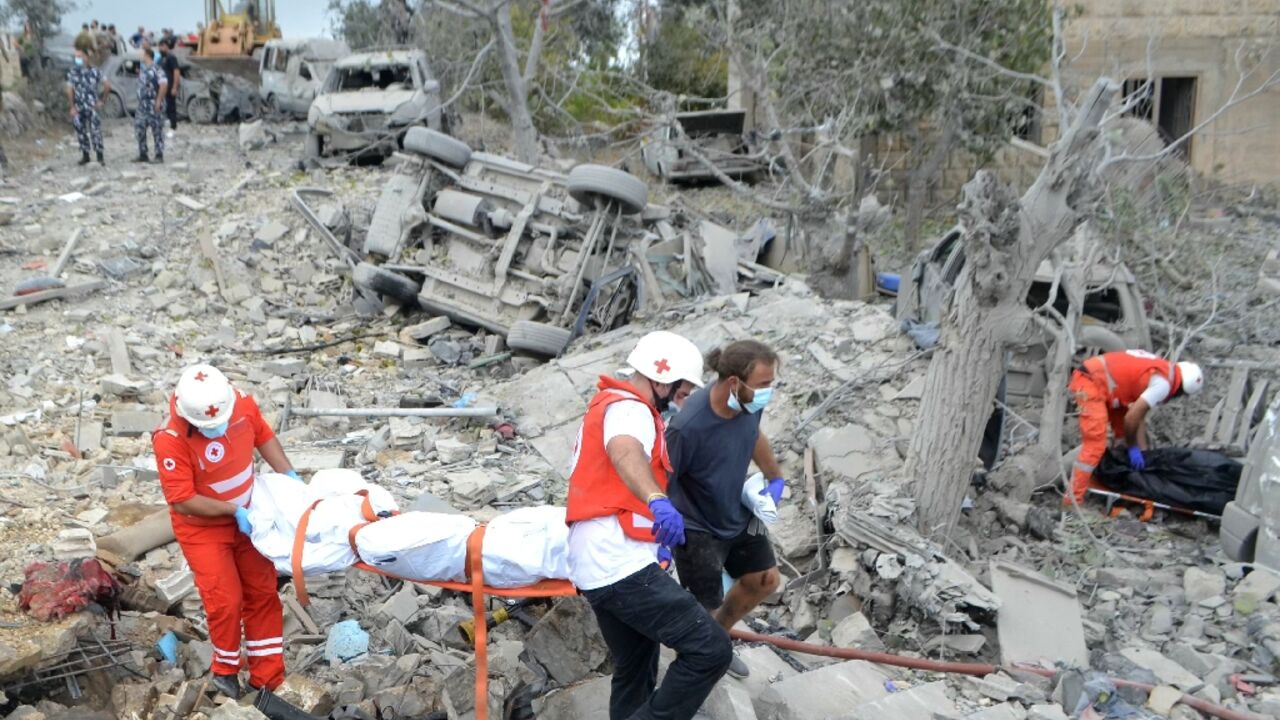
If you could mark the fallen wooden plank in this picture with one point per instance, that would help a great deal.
(69, 248)
(1250, 413)
(54, 294)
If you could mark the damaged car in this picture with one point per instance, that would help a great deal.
(528, 253)
(203, 96)
(1113, 316)
(292, 71)
(368, 102)
(718, 136)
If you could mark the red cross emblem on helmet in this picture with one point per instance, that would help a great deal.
(662, 366)
(212, 411)
(200, 376)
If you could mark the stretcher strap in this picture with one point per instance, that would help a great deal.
(299, 544)
(475, 575)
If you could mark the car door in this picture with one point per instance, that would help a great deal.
(301, 85)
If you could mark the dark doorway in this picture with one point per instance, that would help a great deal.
(1177, 109)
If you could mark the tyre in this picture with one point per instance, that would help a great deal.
(114, 106)
(538, 338)
(313, 147)
(385, 282)
(202, 110)
(589, 184)
(437, 146)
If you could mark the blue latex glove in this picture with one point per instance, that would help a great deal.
(774, 490)
(1136, 460)
(293, 474)
(664, 557)
(242, 521)
(668, 523)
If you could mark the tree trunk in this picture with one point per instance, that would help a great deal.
(1004, 242)
(523, 132)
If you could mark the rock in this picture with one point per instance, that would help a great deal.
(1046, 712)
(1160, 621)
(917, 703)
(306, 694)
(124, 387)
(424, 330)
(445, 350)
(232, 711)
(451, 450)
(855, 631)
(1195, 662)
(1003, 711)
(271, 232)
(1257, 587)
(850, 451)
(1199, 584)
(794, 532)
(583, 701)
(284, 367)
(1163, 698)
(472, 487)
(873, 328)
(400, 607)
(766, 668)
(440, 624)
(567, 641)
(134, 423)
(1165, 670)
(254, 136)
(728, 701)
(387, 349)
(196, 657)
(74, 543)
(970, 644)
(134, 701)
(830, 691)
(413, 357)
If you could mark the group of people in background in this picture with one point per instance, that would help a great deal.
(159, 84)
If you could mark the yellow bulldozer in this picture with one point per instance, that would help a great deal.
(228, 40)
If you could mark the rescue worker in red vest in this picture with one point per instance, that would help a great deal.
(1120, 388)
(205, 456)
(619, 516)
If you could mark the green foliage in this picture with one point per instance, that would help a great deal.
(684, 61)
(363, 24)
(42, 17)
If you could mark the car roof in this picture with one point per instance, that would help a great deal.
(379, 57)
(313, 48)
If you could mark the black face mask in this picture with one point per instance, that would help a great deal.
(662, 403)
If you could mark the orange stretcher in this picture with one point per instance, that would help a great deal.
(1115, 499)
(474, 584)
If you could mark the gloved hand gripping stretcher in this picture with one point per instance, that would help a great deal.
(341, 521)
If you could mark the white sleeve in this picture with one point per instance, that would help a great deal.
(1157, 391)
(633, 419)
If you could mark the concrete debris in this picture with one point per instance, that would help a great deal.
(73, 544)
(831, 691)
(1039, 619)
(255, 135)
(567, 641)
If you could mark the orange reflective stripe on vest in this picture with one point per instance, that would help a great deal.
(1128, 373)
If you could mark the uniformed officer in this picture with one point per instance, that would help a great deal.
(83, 98)
(152, 87)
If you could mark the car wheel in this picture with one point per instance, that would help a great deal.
(313, 147)
(272, 106)
(201, 110)
(437, 146)
(114, 106)
(538, 338)
(589, 184)
(385, 282)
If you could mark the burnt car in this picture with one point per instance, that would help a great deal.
(1250, 531)
(1113, 316)
(369, 100)
(529, 253)
(717, 135)
(203, 96)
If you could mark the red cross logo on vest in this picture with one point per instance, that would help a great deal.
(214, 452)
(212, 411)
(200, 376)
(662, 365)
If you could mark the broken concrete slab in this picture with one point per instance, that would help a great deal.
(89, 436)
(728, 701)
(1259, 586)
(851, 451)
(134, 423)
(73, 544)
(401, 606)
(176, 586)
(423, 331)
(284, 367)
(567, 641)
(917, 703)
(1003, 711)
(1039, 619)
(582, 701)
(1166, 671)
(855, 631)
(830, 691)
(124, 387)
(1200, 584)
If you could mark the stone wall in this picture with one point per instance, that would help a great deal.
(10, 69)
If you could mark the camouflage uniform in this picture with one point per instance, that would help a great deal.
(151, 82)
(84, 81)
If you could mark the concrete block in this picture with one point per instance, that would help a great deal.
(831, 691)
(567, 641)
(452, 450)
(122, 386)
(176, 586)
(728, 701)
(851, 451)
(422, 331)
(1201, 584)
(766, 669)
(413, 357)
(312, 460)
(855, 631)
(387, 349)
(1257, 587)
(584, 701)
(133, 423)
(1003, 711)
(1166, 671)
(284, 367)
(917, 703)
(400, 607)
(89, 436)
(74, 543)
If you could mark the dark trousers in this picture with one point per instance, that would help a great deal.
(171, 111)
(638, 614)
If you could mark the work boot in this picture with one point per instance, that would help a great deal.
(159, 159)
(738, 667)
(228, 685)
(101, 160)
(84, 159)
(142, 157)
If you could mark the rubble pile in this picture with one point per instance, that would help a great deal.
(204, 260)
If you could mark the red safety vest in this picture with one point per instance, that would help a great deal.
(1128, 373)
(221, 468)
(595, 488)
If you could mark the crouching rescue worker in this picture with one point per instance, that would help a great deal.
(617, 511)
(1121, 388)
(205, 456)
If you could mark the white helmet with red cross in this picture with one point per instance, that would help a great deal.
(665, 357)
(1192, 378)
(205, 397)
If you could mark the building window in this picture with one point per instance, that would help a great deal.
(1168, 103)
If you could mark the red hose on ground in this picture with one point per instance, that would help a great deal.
(960, 668)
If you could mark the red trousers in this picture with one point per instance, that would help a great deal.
(238, 585)
(1093, 399)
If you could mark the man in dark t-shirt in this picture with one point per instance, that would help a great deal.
(172, 73)
(711, 443)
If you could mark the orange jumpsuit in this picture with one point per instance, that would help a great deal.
(236, 583)
(1103, 390)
